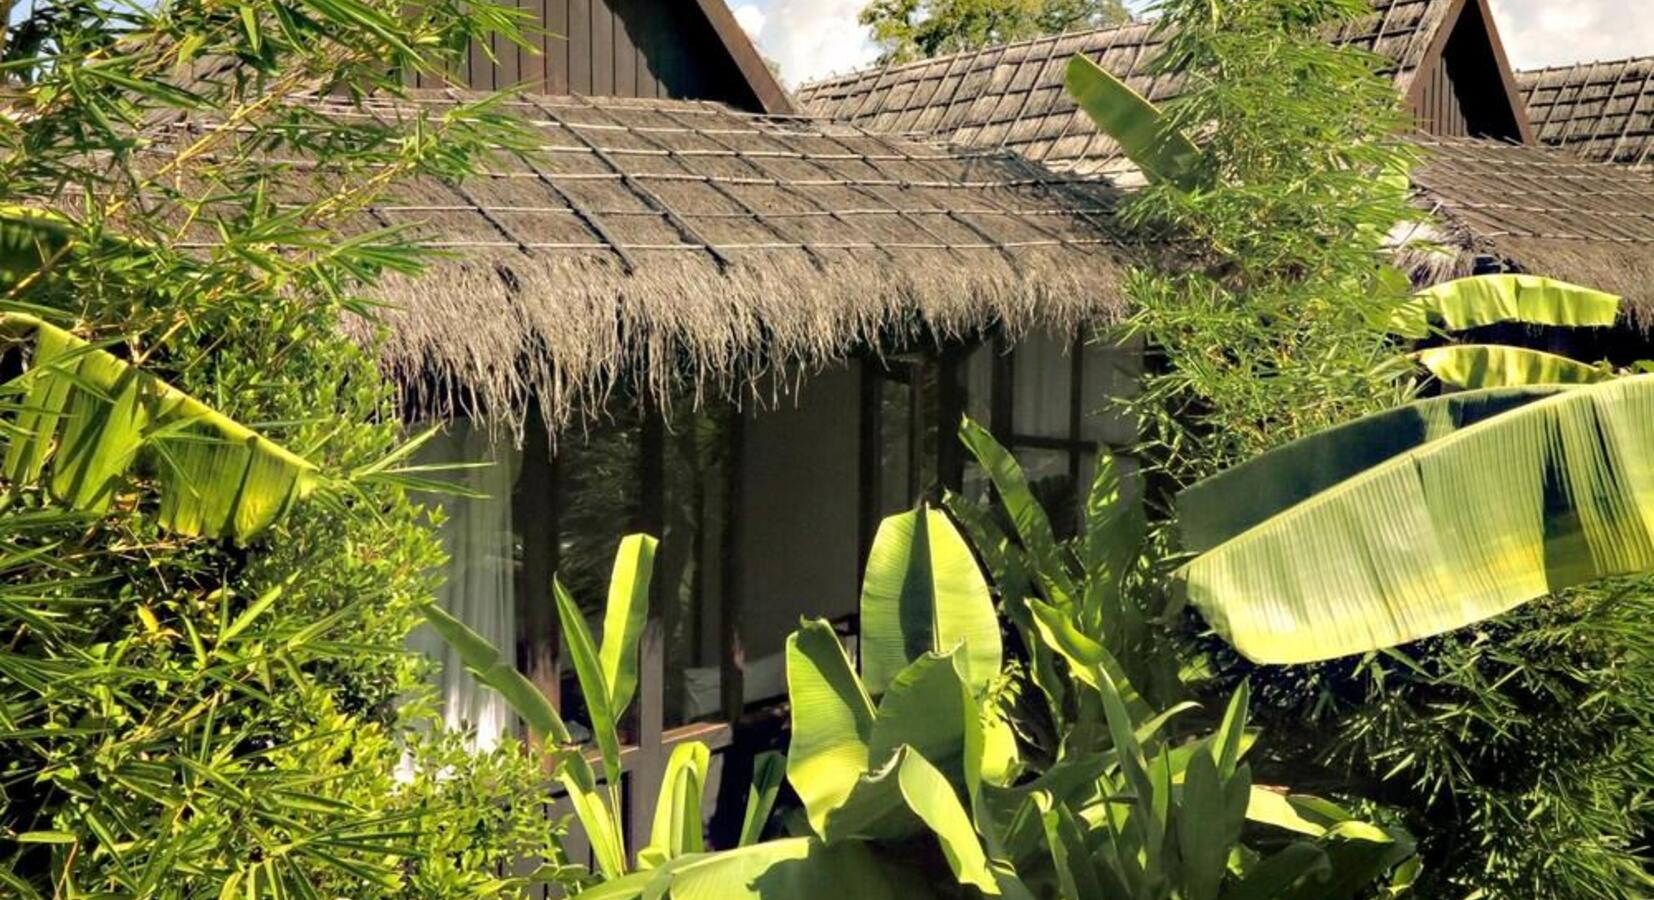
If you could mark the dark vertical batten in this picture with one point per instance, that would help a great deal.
(687, 49)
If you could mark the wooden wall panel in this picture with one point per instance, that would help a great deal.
(612, 48)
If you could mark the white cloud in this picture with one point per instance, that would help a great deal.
(809, 38)
(1552, 32)
(750, 16)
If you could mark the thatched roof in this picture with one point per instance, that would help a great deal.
(1538, 209)
(661, 238)
(1012, 97)
(1546, 212)
(1603, 111)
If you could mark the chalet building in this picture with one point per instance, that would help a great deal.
(749, 322)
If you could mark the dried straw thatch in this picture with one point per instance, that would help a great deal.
(1544, 211)
(1603, 111)
(1535, 209)
(1011, 96)
(660, 240)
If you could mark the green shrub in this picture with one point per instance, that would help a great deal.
(188, 717)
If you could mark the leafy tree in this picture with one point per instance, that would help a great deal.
(905, 30)
(188, 716)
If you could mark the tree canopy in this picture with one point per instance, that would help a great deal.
(906, 30)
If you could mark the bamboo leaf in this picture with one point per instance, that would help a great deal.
(1554, 492)
(1481, 366)
(1492, 299)
(923, 592)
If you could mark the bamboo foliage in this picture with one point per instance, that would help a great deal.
(84, 423)
(1551, 493)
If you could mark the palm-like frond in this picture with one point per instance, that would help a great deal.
(1465, 524)
(83, 422)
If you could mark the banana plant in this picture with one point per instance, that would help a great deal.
(1483, 300)
(87, 426)
(607, 673)
(898, 766)
(1144, 133)
(1440, 513)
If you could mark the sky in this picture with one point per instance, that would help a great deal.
(813, 38)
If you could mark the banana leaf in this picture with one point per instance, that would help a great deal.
(1481, 366)
(28, 239)
(588, 670)
(678, 827)
(490, 667)
(1221, 507)
(624, 617)
(1556, 491)
(793, 868)
(923, 592)
(87, 420)
(832, 721)
(930, 708)
(768, 771)
(1027, 516)
(1138, 126)
(1492, 299)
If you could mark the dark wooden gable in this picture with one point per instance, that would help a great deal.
(1465, 86)
(669, 49)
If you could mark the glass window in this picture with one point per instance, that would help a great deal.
(1042, 386)
(1109, 372)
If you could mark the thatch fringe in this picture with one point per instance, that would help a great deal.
(490, 334)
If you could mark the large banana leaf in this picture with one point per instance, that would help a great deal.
(28, 239)
(1480, 366)
(1491, 299)
(1227, 504)
(791, 868)
(832, 721)
(1140, 128)
(1027, 516)
(1556, 491)
(86, 420)
(930, 708)
(922, 593)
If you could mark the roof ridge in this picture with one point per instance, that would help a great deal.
(949, 58)
(1573, 66)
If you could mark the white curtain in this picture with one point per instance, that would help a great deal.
(479, 589)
